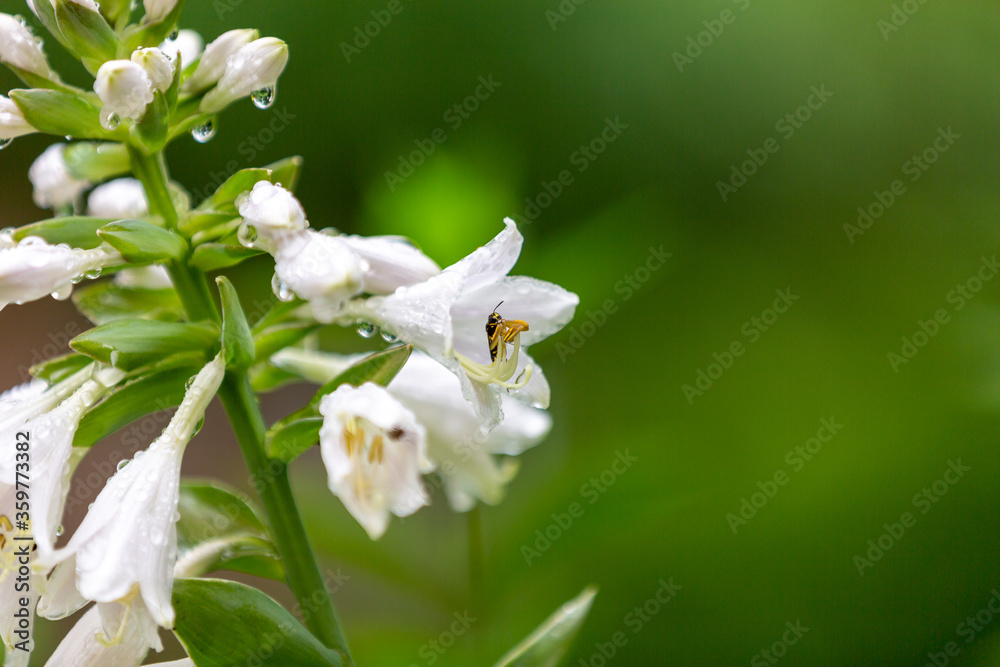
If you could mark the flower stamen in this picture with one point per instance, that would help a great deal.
(501, 370)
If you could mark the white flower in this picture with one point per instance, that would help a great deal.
(188, 44)
(54, 187)
(33, 269)
(389, 262)
(157, 9)
(157, 66)
(124, 88)
(374, 451)
(118, 199)
(87, 643)
(152, 276)
(19, 48)
(446, 317)
(255, 66)
(12, 122)
(213, 61)
(318, 268)
(273, 212)
(126, 545)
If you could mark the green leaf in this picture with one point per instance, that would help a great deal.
(96, 161)
(139, 241)
(87, 33)
(220, 530)
(237, 341)
(267, 377)
(223, 199)
(151, 132)
(279, 313)
(175, 85)
(286, 172)
(281, 336)
(104, 302)
(157, 390)
(197, 221)
(33, 80)
(551, 641)
(214, 256)
(47, 16)
(130, 344)
(61, 113)
(75, 231)
(57, 368)
(299, 431)
(220, 622)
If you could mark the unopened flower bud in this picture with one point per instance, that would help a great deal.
(124, 88)
(54, 187)
(157, 66)
(118, 199)
(213, 61)
(12, 122)
(157, 9)
(254, 67)
(18, 47)
(188, 43)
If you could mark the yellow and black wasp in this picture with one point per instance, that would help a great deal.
(500, 332)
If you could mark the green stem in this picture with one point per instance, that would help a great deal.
(270, 478)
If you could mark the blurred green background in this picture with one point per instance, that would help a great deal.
(618, 383)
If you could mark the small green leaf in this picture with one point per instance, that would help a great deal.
(214, 256)
(139, 241)
(130, 344)
(223, 200)
(197, 221)
(220, 530)
(288, 441)
(267, 377)
(75, 231)
(286, 172)
(104, 302)
(220, 621)
(96, 161)
(281, 336)
(33, 80)
(280, 312)
(151, 132)
(61, 113)
(57, 368)
(551, 641)
(237, 341)
(87, 33)
(157, 390)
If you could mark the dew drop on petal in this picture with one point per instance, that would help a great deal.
(366, 329)
(59, 530)
(388, 337)
(189, 383)
(247, 234)
(110, 121)
(330, 231)
(62, 292)
(20, 19)
(174, 35)
(281, 289)
(76, 279)
(92, 273)
(4, 143)
(203, 133)
(68, 137)
(122, 464)
(263, 98)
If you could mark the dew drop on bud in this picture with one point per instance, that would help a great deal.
(110, 121)
(173, 35)
(263, 98)
(189, 383)
(93, 273)
(366, 329)
(76, 279)
(68, 137)
(330, 231)
(247, 234)
(388, 337)
(59, 530)
(62, 292)
(20, 19)
(122, 464)
(281, 289)
(4, 143)
(203, 133)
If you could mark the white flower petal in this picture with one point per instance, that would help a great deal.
(81, 648)
(124, 88)
(320, 269)
(34, 269)
(157, 65)
(213, 61)
(19, 48)
(153, 276)
(53, 185)
(254, 66)
(118, 199)
(157, 9)
(389, 262)
(61, 599)
(188, 44)
(493, 261)
(12, 122)
(545, 306)
(273, 211)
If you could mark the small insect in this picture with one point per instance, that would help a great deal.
(500, 331)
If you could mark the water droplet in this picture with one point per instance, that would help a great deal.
(69, 137)
(20, 19)
(59, 530)
(263, 98)
(366, 329)
(204, 132)
(110, 121)
(173, 35)
(92, 273)
(76, 279)
(281, 289)
(4, 143)
(122, 464)
(197, 428)
(62, 292)
(189, 384)
(330, 231)
(90, 507)
(538, 404)
(388, 337)
(247, 234)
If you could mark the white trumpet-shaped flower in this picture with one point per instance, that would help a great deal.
(125, 90)
(157, 9)
(18, 47)
(318, 268)
(187, 43)
(83, 645)
(126, 546)
(118, 199)
(54, 187)
(446, 317)
(34, 268)
(12, 122)
(375, 452)
(157, 65)
(254, 66)
(213, 61)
